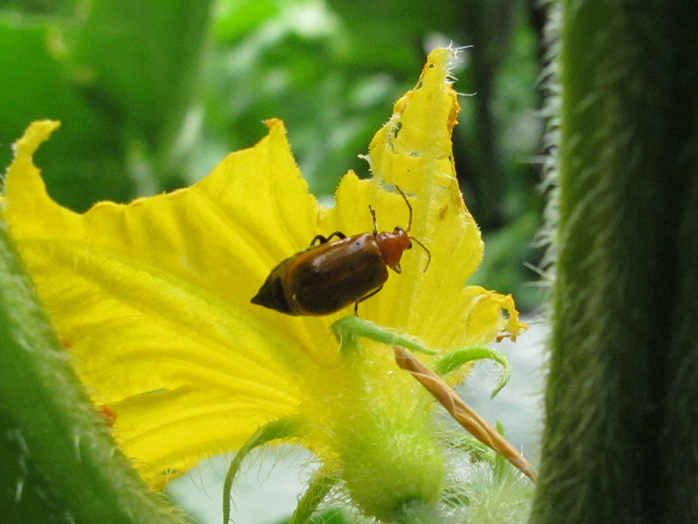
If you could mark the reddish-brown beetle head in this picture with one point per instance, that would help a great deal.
(392, 245)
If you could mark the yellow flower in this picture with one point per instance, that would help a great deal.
(153, 301)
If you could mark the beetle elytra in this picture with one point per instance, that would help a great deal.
(330, 276)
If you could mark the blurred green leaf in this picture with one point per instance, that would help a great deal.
(138, 63)
(236, 18)
(82, 165)
(391, 34)
(120, 76)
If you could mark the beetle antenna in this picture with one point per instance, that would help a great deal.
(427, 252)
(409, 206)
(409, 226)
(375, 222)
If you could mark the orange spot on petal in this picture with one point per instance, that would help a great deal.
(108, 413)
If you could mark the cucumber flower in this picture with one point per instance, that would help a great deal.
(152, 300)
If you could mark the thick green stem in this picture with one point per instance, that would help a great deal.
(59, 462)
(621, 443)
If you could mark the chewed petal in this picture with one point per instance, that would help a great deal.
(489, 316)
(413, 151)
(414, 148)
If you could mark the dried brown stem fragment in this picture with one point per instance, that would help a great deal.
(464, 414)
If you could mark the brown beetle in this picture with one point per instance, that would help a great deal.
(332, 275)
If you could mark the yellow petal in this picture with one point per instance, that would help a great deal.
(153, 298)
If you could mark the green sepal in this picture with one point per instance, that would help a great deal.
(348, 329)
(476, 450)
(501, 465)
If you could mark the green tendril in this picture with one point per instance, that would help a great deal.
(457, 358)
(279, 429)
(318, 489)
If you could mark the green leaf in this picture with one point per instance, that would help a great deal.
(239, 17)
(140, 62)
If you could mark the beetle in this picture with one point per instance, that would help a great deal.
(330, 276)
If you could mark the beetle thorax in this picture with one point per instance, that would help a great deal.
(392, 246)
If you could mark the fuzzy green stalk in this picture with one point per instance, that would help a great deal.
(621, 439)
(389, 453)
(59, 462)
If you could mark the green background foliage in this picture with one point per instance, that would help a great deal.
(153, 94)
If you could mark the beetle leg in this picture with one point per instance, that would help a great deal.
(324, 240)
(338, 234)
(356, 305)
(318, 238)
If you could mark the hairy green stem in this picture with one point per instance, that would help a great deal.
(317, 490)
(621, 443)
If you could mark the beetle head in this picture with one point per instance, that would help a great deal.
(392, 245)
